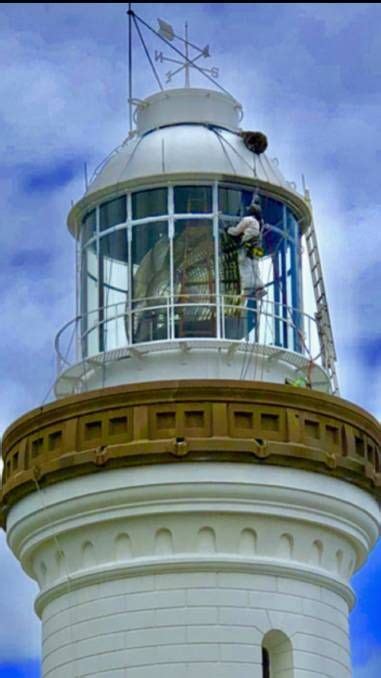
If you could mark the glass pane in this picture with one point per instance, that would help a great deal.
(296, 268)
(196, 199)
(150, 260)
(244, 282)
(272, 211)
(89, 300)
(88, 226)
(194, 278)
(113, 212)
(114, 291)
(149, 203)
(114, 267)
(229, 267)
(290, 315)
(151, 281)
(247, 251)
(92, 338)
(233, 201)
(229, 201)
(91, 280)
(242, 255)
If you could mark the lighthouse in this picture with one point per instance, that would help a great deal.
(197, 497)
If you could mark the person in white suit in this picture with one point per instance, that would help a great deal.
(249, 229)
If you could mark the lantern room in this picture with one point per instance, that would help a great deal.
(166, 265)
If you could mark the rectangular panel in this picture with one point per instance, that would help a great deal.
(194, 278)
(149, 203)
(150, 281)
(88, 226)
(113, 212)
(196, 199)
(114, 292)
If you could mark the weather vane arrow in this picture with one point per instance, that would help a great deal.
(166, 31)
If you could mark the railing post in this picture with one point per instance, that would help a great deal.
(172, 316)
(168, 318)
(223, 315)
(129, 324)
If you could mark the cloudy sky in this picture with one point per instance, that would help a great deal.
(308, 75)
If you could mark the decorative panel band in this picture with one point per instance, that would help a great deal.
(191, 422)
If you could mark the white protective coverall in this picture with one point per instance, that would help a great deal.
(249, 228)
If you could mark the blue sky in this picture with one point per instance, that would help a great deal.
(308, 75)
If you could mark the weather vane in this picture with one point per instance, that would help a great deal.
(183, 60)
(167, 33)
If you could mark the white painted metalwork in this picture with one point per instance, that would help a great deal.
(188, 63)
(200, 132)
(231, 324)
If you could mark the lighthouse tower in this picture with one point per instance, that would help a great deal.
(197, 498)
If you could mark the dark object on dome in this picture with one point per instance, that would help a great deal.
(255, 141)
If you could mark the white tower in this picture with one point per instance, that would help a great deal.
(196, 500)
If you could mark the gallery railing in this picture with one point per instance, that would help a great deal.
(149, 320)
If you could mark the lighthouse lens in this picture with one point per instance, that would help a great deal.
(150, 281)
(194, 278)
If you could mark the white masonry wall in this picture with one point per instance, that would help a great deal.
(181, 570)
(196, 625)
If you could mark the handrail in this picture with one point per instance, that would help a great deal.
(169, 307)
(208, 295)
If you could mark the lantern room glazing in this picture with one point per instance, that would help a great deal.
(159, 264)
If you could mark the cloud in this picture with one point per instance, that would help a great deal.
(307, 74)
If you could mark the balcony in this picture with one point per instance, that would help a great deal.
(259, 331)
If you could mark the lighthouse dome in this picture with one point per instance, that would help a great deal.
(187, 131)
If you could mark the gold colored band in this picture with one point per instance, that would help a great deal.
(191, 421)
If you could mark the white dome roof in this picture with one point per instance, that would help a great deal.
(186, 149)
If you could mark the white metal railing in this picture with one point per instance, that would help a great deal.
(202, 316)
